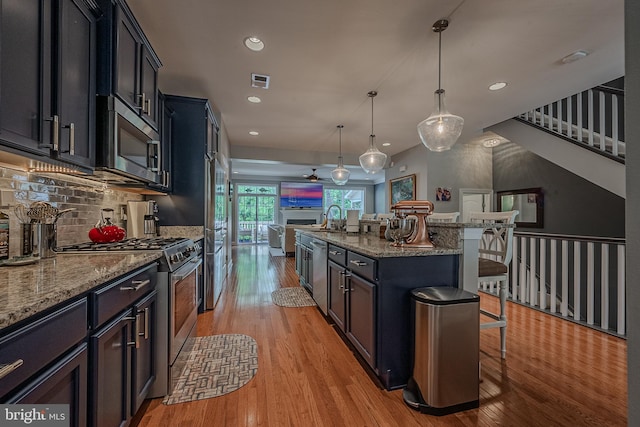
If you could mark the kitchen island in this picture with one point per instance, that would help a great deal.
(369, 286)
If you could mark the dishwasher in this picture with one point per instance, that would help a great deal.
(319, 279)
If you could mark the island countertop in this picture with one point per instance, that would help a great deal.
(30, 289)
(376, 247)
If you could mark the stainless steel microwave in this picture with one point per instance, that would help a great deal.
(129, 149)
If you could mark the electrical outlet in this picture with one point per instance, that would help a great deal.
(7, 198)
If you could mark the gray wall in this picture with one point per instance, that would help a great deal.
(572, 205)
(380, 198)
(632, 130)
(466, 165)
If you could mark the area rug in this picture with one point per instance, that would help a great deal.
(292, 297)
(276, 252)
(216, 365)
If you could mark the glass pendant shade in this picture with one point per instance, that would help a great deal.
(340, 175)
(373, 160)
(441, 129)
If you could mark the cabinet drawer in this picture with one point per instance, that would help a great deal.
(338, 254)
(305, 240)
(113, 298)
(363, 266)
(41, 342)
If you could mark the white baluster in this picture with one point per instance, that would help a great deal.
(576, 280)
(604, 286)
(533, 290)
(590, 118)
(579, 126)
(554, 278)
(564, 304)
(603, 130)
(514, 270)
(621, 291)
(523, 271)
(569, 117)
(590, 285)
(543, 275)
(614, 124)
(550, 112)
(559, 115)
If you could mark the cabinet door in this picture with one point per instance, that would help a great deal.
(63, 383)
(165, 118)
(76, 83)
(337, 296)
(111, 380)
(127, 62)
(361, 321)
(25, 75)
(298, 255)
(144, 352)
(149, 87)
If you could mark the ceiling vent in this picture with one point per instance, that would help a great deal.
(260, 80)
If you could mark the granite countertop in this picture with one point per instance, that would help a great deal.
(30, 289)
(194, 232)
(374, 246)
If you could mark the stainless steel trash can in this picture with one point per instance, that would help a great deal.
(446, 351)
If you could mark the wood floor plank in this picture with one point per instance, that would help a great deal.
(556, 372)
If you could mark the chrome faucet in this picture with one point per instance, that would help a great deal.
(339, 216)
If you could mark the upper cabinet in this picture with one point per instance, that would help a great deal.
(47, 79)
(128, 64)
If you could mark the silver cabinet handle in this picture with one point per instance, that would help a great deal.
(135, 326)
(137, 284)
(147, 106)
(335, 253)
(145, 334)
(55, 130)
(72, 137)
(10, 367)
(358, 263)
(154, 156)
(143, 99)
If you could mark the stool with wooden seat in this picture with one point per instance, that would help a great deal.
(495, 254)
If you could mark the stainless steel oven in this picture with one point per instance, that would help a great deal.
(183, 309)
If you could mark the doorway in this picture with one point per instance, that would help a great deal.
(256, 209)
(474, 200)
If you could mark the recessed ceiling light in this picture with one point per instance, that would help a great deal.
(254, 99)
(235, 171)
(491, 142)
(498, 86)
(386, 144)
(254, 133)
(254, 43)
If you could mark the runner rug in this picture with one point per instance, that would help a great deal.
(216, 365)
(292, 297)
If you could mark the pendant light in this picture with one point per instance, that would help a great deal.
(340, 175)
(441, 129)
(373, 160)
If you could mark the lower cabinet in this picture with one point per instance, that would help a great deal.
(352, 306)
(304, 261)
(63, 383)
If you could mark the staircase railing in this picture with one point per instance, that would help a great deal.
(578, 278)
(593, 119)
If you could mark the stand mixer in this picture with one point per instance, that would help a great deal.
(420, 209)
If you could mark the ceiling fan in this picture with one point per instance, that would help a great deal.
(313, 177)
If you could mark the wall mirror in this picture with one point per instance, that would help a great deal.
(530, 203)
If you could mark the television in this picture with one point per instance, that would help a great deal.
(301, 195)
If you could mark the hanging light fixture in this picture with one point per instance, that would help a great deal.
(372, 160)
(340, 175)
(441, 129)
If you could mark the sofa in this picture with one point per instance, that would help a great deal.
(284, 236)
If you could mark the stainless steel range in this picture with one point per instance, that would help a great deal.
(177, 301)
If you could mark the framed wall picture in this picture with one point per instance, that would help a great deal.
(403, 188)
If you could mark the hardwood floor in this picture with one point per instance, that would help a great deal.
(556, 373)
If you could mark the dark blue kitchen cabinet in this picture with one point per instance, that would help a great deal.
(122, 347)
(194, 135)
(63, 383)
(165, 124)
(129, 65)
(48, 79)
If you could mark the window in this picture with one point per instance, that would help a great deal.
(346, 198)
(256, 209)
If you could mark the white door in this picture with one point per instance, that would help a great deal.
(474, 200)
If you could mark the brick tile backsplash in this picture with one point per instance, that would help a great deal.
(88, 198)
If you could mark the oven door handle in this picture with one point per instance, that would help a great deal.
(189, 268)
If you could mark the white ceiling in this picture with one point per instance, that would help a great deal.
(324, 56)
